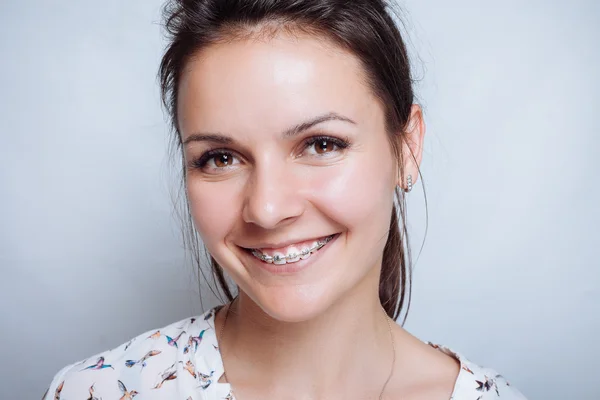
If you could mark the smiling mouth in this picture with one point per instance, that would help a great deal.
(294, 254)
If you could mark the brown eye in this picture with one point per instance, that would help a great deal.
(215, 161)
(223, 160)
(324, 146)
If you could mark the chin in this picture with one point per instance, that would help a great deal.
(292, 303)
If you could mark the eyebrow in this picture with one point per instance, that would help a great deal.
(288, 133)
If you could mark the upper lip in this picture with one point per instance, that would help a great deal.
(277, 245)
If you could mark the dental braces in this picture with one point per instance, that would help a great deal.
(304, 252)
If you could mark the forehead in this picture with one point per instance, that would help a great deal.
(271, 83)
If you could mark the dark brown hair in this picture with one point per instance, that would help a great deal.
(363, 27)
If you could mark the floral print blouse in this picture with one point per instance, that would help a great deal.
(182, 362)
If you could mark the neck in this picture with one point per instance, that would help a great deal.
(347, 347)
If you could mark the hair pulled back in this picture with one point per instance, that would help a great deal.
(363, 27)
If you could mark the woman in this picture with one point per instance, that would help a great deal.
(297, 127)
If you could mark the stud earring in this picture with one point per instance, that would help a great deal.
(409, 184)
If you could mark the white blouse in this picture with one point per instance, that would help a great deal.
(182, 362)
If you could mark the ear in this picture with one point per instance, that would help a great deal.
(412, 146)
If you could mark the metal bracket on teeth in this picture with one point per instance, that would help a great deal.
(304, 252)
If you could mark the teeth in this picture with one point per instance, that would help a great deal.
(305, 253)
(278, 258)
(262, 256)
(294, 254)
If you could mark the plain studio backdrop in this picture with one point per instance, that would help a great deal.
(90, 253)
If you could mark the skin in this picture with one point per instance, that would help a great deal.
(298, 335)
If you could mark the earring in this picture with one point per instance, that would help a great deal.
(409, 184)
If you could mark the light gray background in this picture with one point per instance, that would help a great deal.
(90, 254)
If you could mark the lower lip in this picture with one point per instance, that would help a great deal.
(291, 268)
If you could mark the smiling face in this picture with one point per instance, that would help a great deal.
(285, 144)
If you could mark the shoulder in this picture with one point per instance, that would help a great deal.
(477, 382)
(146, 363)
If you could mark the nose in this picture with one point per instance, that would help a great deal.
(272, 197)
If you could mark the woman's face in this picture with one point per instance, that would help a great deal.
(284, 145)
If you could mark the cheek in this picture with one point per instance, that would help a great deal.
(211, 205)
(357, 194)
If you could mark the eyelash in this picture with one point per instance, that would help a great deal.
(340, 143)
(201, 162)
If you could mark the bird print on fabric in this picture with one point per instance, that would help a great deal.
(128, 344)
(167, 375)
(58, 390)
(192, 320)
(210, 314)
(99, 365)
(155, 335)
(91, 391)
(205, 380)
(188, 364)
(173, 341)
(486, 385)
(195, 341)
(229, 396)
(189, 367)
(127, 395)
(142, 361)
